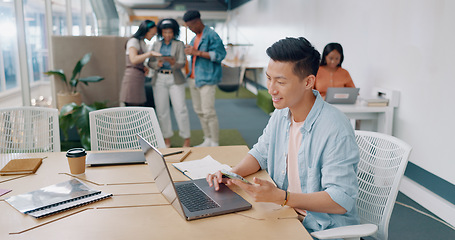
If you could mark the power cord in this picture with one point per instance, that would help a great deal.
(426, 214)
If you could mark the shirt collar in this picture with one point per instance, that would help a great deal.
(313, 115)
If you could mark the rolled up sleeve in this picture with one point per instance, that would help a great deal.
(339, 172)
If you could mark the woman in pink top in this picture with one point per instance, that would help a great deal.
(330, 73)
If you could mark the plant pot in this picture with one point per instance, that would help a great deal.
(64, 98)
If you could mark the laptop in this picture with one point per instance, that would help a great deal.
(115, 158)
(192, 199)
(342, 95)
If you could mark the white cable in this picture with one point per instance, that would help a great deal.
(426, 214)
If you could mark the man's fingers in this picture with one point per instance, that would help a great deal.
(214, 180)
(257, 180)
(242, 184)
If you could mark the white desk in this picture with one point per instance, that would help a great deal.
(381, 117)
(246, 66)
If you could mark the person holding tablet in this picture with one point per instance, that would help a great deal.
(169, 82)
(308, 146)
(330, 73)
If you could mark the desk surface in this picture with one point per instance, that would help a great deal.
(359, 111)
(137, 210)
(360, 108)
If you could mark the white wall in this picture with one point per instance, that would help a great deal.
(402, 45)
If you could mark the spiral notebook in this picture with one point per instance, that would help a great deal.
(56, 198)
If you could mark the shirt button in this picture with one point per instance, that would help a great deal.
(283, 172)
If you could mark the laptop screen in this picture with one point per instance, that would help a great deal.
(161, 175)
(344, 95)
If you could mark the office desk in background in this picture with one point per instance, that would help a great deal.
(379, 119)
(253, 67)
(137, 210)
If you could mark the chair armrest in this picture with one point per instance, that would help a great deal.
(353, 231)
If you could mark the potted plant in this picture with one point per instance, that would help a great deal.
(71, 94)
(73, 112)
(76, 116)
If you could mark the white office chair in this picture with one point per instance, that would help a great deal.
(383, 159)
(29, 130)
(116, 128)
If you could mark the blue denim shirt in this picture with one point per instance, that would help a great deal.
(166, 51)
(208, 71)
(327, 159)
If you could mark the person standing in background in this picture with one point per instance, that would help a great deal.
(207, 51)
(132, 91)
(169, 82)
(330, 73)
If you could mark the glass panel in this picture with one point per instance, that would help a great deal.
(8, 45)
(59, 17)
(37, 49)
(76, 14)
(90, 29)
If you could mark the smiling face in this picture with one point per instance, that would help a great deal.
(333, 59)
(168, 34)
(286, 88)
(152, 32)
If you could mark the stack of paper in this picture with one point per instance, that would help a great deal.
(200, 168)
(377, 102)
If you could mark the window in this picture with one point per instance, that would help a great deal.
(8, 48)
(37, 48)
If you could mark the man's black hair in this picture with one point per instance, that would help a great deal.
(190, 15)
(298, 51)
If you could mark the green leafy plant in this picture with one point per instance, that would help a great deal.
(75, 77)
(73, 115)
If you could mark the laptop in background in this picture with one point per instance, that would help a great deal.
(115, 158)
(343, 95)
(192, 199)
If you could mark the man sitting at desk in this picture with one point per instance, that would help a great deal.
(308, 147)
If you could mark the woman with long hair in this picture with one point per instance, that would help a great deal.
(132, 91)
(330, 73)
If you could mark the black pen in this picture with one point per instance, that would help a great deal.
(172, 153)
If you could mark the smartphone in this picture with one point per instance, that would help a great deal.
(233, 176)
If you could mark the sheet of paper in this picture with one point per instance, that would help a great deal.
(200, 168)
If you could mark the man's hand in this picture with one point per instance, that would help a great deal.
(189, 50)
(215, 180)
(261, 191)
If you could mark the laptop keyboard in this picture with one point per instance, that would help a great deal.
(193, 198)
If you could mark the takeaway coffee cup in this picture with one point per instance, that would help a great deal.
(76, 160)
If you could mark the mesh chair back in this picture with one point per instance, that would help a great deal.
(116, 128)
(29, 130)
(383, 159)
